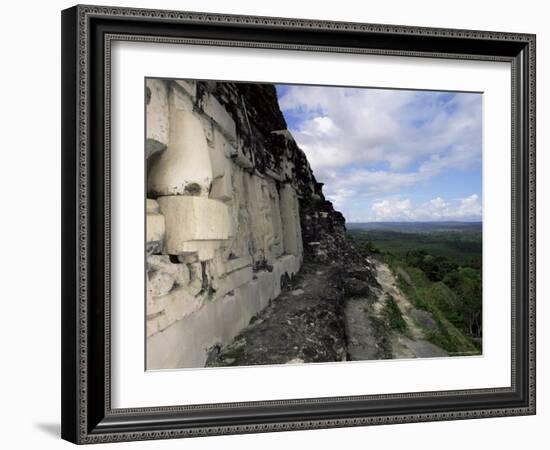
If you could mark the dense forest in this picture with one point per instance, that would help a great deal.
(439, 269)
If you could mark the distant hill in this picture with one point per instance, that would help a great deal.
(414, 227)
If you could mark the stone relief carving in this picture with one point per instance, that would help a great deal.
(223, 216)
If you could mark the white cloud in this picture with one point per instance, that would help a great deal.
(437, 209)
(392, 139)
(387, 210)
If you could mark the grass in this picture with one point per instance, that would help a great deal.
(439, 271)
(393, 316)
(427, 296)
(382, 333)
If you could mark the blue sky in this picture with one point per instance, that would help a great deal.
(391, 155)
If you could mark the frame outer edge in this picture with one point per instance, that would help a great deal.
(532, 143)
(69, 263)
(75, 184)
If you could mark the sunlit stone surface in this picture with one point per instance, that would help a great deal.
(225, 183)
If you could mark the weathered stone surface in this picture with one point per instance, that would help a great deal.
(356, 288)
(231, 281)
(157, 120)
(242, 157)
(153, 146)
(152, 206)
(155, 229)
(190, 219)
(161, 263)
(212, 107)
(188, 86)
(241, 211)
(181, 275)
(222, 188)
(220, 155)
(204, 250)
(196, 278)
(214, 322)
(160, 283)
(237, 263)
(172, 307)
(184, 168)
(305, 327)
(180, 98)
(291, 221)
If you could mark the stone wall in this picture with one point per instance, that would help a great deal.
(225, 181)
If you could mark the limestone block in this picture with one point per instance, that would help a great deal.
(276, 246)
(208, 128)
(237, 263)
(180, 99)
(157, 262)
(152, 206)
(160, 283)
(181, 275)
(155, 227)
(153, 307)
(217, 112)
(242, 157)
(188, 86)
(205, 250)
(220, 152)
(170, 308)
(156, 323)
(158, 126)
(223, 145)
(193, 219)
(179, 303)
(275, 175)
(195, 276)
(289, 264)
(266, 285)
(178, 271)
(232, 281)
(185, 342)
(188, 258)
(292, 233)
(285, 265)
(222, 188)
(184, 168)
(248, 297)
(217, 267)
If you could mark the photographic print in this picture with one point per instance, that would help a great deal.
(283, 202)
(295, 224)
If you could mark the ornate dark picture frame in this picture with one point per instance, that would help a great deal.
(87, 35)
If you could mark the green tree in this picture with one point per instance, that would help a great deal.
(469, 292)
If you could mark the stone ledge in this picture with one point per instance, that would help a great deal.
(193, 219)
(189, 88)
(212, 108)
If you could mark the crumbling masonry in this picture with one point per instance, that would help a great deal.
(233, 209)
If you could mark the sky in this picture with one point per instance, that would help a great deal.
(391, 155)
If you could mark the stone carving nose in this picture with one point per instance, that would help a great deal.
(184, 168)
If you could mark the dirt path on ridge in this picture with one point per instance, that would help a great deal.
(363, 316)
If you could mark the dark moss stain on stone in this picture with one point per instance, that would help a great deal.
(193, 189)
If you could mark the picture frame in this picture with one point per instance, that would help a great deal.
(87, 413)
